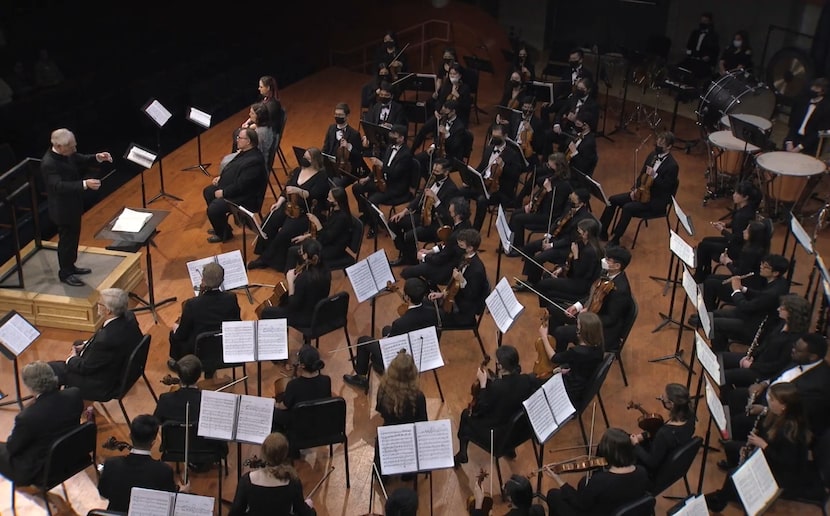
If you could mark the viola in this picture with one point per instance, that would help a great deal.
(441, 142)
(487, 502)
(403, 307)
(476, 387)
(599, 290)
(642, 189)
(314, 224)
(536, 197)
(426, 209)
(562, 222)
(452, 289)
(174, 382)
(114, 444)
(578, 466)
(526, 135)
(292, 205)
(282, 382)
(495, 173)
(543, 367)
(649, 422)
(342, 156)
(380, 181)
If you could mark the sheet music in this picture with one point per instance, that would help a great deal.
(683, 250)
(391, 346)
(238, 341)
(236, 275)
(597, 188)
(255, 218)
(708, 359)
(397, 449)
(131, 221)
(755, 484)
(684, 219)
(503, 305)
(255, 417)
(382, 218)
(715, 407)
(193, 505)
(272, 339)
(198, 117)
(16, 333)
(540, 415)
(694, 506)
(434, 440)
(703, 314)
(370, 276)
(503, 228)
(158, 113)
(141, 157)
(426, 350)
(558, 399)
(194, 270)
(217, 413)
(689, 284)
(379, 263)
(800, 235)
(150, 502)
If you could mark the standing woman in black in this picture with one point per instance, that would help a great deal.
(288, 217)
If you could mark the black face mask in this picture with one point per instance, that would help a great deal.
(582, 93)
(574, 64)
(304, 163)
(704, 26)
(496, 142)
(658, 149)
(390, 45)
(333, 204)
(815, 94)
(448, 61)
(515, 84)
(340, 120)
(385, 102)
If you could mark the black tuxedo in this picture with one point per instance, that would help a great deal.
(65, 194)
(454, 143)
(407, 238)
(709, 48)
(538, 137)
(465, 99)
(97, 371)
(495, 405)
(397, 173)
(509, 178)
(331, 143)
(731, 241)
(396, 116)
(740, 321)
(200, 314)
(819, 121)
(121, 474)
(586, 157)
(35, 429)
(415, 318)
(469, 301)
(243, 182)
(437, 267)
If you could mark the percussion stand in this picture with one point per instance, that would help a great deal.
(622, 124)
(688, 145)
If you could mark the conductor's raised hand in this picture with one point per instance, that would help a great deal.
(103, 156)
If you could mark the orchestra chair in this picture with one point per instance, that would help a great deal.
(414, 187)
(676, 467)
(280, 154)
(134, 369)
(208, 347)
(509, 437)
(629, 324)
(652, 216)
(200, 450)
(469, 138)
(318, 423)
(269, 160)
(593, 391)
(330, 314)
(71, 453)
(644, 506)
(354, 246)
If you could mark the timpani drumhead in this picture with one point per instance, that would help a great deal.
(758, 121)
(727, 141)
(730, 159)
(788, 172)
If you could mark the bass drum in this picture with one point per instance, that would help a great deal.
(736, 92)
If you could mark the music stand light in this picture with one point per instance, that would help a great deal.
(160, 115)
(201, 119)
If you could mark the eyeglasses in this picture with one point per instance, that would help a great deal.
(765, 266)
(242, 138)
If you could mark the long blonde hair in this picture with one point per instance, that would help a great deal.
(275, 454)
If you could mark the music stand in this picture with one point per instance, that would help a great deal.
(748, 133)
(16, 335)
(593, 186)
(476, 65)
(509, 114)
(415, 112)
(541, 91)
(143, 158)
(377, 135)
(246, 220)
(201, 119)
(298, 154)
(160, 116)
(142, 238)
(471, 177)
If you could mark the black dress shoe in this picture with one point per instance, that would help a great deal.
(216, 239)
(72, 281)
(358, 381)
(459, 459)
(257, 264)
(371, 234)
(82, 270)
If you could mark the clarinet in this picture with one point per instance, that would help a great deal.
(747, 448)
(755, 339)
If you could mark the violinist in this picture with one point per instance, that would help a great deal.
(394, 169)
(519, 496)
(514, 91)
(342, 139)
(608, 489)
(449, 134)
(469, 279)
(270, 98)
(611, 292)
(308, 384)
(448, 58)
(578, 362)
(335, 235)
(288, 217)
(436, 198)
(369, 91)
(386, 112)
(548, 200)
(306, 284)
(496, 401)
(572, 279)
(389, 54)
(527, 130)
(523, 65)
(661, 170)
(580, 100)
(202, 313)
(137, 469)
(456, 89)
(652, 451)
(581, 152)
(418, 315)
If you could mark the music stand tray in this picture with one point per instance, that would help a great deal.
(376, 134)
(748, 132)
(541, 91)
(478, 63)
(417, 82)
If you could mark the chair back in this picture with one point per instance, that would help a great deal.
(330, 314)
(469, 138)
(317, 423)
(643, 506)
(518, 431)
(70, 454)
(200, 450)
(208, 347)
(676, 465)
(631, 318)
(595, 384)
(134, 367)
(354, 246)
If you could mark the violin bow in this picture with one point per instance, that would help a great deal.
(557, 305)
(186, 440)
(317, 486)
(514, 248)
(550, 212)
(398, 54)
(591, 438)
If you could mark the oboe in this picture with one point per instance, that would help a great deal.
(747, 448)
(756, 338)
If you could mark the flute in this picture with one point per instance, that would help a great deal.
(729, 279)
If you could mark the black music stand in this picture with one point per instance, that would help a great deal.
(160, 116)
(201, 119)
(415, 112)
(750, 134)
(245, 219)
(471, 177)
(143, 158)
(417, 82)
(681, 89)
(20, 336)
(377, 135)
(622, 124)
(475, 65)
(678, 351)
(593, 187)
(143, 238)
(509, 114)
(541, 91)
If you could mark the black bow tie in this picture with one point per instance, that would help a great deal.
(496, 151)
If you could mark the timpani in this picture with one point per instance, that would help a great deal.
(785, 174)
(730, 158)
(758, 121)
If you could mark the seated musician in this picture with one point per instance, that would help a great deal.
(369, 91)
(458, 90)
(436, 263)
(463, 299)
(581, 100)
(515, 91)
(306, 285)
(563, 96)
(273, 489)
(342, 139)
(304, 193)
(449, 135)
(391, 182)
(579, 362)
(522, 64)
(771, 349)
(53, 412)
(749, 306)
(653, 450)
(620, 482)
(609, 297)
(810, 114)
(548, 200)
(393, 56)
(260, 120)
(243, 182)
(527, 130)
(660, 171)
(202, 313)
(737, 55)
(418, 315)
(746, 198)
(386, 112)
(500, 165)
(572, 279)
(413, 225)
(403, 501)
(335, 233)
(96, 365)
(555, 245)
(754, 246)
(582, 149)
(137, 469)
(496, 400)
(518, 493)
(308, 383)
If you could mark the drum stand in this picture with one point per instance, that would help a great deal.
(641, 115)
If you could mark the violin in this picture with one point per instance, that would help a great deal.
(174, 382)
(342, 156)
(380, 181)
(526, 135)
(476, 387)
(562, 222)
(426, 209)
(642, 189)
(314, 224)
(441, 141)
(495, 173)
(536, 197)
(282, 382)
(452, 289)
(114, 444)
(487, 503)
(403, 307)
(649, 422)
(543, 367)
(599, 290)
(254, 462)
(578, 466)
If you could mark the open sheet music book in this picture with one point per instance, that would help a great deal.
(151, 502)
(421, 344)
(411, 447)
(755, 484)
(370, 276)
(504, 231)
(131, 221)
(718, 410)
(503, 305)
(235, 417)
(252, 341)
(693, 506)
(16, 334)
(549, 408)
(236, 275)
